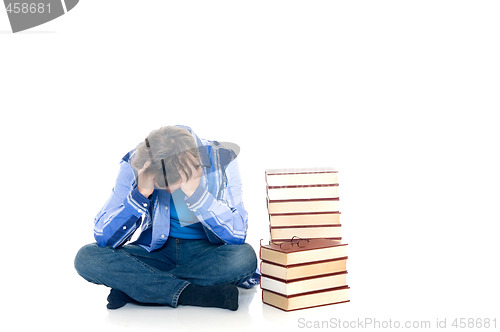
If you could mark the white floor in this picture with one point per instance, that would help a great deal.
(89, 312)
(50, 294)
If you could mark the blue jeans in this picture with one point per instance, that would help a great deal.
(160, 276)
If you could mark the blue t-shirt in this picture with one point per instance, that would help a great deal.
(183, 222)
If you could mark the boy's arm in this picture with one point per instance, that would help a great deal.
(121, 215)
(227, 217)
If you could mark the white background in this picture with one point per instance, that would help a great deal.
(400, 96)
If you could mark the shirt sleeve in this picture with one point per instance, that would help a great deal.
(121, 215)
(226, 217)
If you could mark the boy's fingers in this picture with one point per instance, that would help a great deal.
(182, 173)
(193, 162)
(188, 163)
(146, 165)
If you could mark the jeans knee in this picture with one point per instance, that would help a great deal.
(247, 259)
(85, 260)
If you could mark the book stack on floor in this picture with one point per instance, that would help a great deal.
(303, 203)
(304, 265)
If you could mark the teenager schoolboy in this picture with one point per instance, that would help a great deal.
(179, 197)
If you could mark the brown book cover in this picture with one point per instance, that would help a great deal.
(318, 185)
(303, 270)
(303, 285)
(280, 171)
(312, 245)
(301, 176)
(304, 226)
(314, 277)
(306, 300)
(315, 250)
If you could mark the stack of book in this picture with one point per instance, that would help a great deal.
(304, 265)
(303, 203)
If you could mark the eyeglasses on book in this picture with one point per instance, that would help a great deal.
(288, 244)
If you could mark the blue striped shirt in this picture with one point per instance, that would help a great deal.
(216, 203)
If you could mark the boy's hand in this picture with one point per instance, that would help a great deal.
(145, 181)
(189, 186)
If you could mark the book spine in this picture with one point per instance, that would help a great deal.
(290, 171)
(304, 186)
(305, 226)
(302, 200)
(304, 213)
(286, 281)
(279, 241)
(294, 206)
(302, 264)
(310, 293)
(309, 307)
(277, 248)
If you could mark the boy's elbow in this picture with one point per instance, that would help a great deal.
(101, 241)
(236, 240)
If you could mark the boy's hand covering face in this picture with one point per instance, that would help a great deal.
(145, 181)
(191, 165)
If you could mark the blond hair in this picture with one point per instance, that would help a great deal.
(170, 144)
